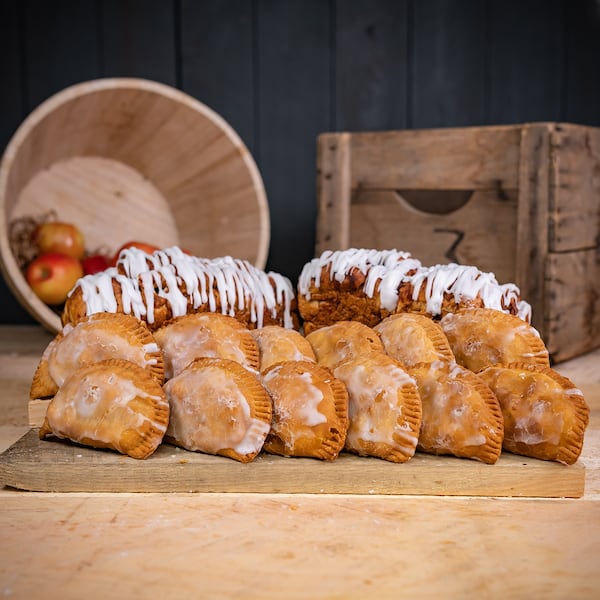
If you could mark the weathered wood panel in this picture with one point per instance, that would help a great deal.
(61, 46)
(581, 81)
(526, 61)
(138, 39)
(12, 104)
(218, 61)
(574, 188)
(481, 232)
(573, 302)
(449, 67)
(371, 65)
(438, 159)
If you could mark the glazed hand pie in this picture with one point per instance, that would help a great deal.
(95, 338)
(412, 339)
(461, 415)
(218, 407)
(278, 344)
(545, 415)
(109, 404)
(384, 407)
(482, 337)
(343, 341)
(205, 334)
(310, 410)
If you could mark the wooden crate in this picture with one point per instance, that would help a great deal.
(522, 201)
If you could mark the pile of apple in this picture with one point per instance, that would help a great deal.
(62, 259)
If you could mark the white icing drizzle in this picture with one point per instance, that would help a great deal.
(365, 414)
(210, 413)
(90, 408)
(385, 271)
(182, 279)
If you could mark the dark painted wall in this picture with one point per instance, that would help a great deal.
(282, 71)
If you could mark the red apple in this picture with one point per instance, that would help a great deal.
(59, 237)
(94, 264)
(145, 247)
(52, 276)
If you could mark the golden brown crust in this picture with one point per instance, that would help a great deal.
(112, 404)
(545, 415)
(343, 341)
(310, 410)
(279, 344)
(218, 407)
(198, 335)
(461, 415)
(92, 339)
(384, 407)
(482, 337)
(412, 339)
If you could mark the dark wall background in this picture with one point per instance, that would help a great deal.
(282, 71)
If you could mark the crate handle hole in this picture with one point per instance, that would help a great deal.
(439, 202)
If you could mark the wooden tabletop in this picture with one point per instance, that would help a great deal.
(212, 545)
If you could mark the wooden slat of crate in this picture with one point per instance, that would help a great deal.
(573, 302)
(574, 194)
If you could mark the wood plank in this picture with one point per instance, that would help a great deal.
(573, 311)
(482, 232)
(11, 113)
(526, 53)
(581, 88)
(333, 192)
(218, 60)
(11, 104)
(294, 106)
(574, 208)
(61, 45)
(61, 466)
(449, 73)
(532, 221)
(371, 65)
(138, 39)
(469, 158)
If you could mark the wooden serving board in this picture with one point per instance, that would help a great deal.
(61, 466)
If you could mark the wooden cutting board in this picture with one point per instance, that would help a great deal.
(61, 466)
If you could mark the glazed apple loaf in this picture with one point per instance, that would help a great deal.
(170, 283)
(369, 285)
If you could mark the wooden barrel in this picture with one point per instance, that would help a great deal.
(131, 159)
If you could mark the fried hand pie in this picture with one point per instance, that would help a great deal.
(218, 407)
(461, 415)
(199, 335)
(113, 404)
(343, 341)
(384, 407)
(482, 337)
(310, 410)
(413, 338)
(98, 337)
(279, 344)
(545, 415)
